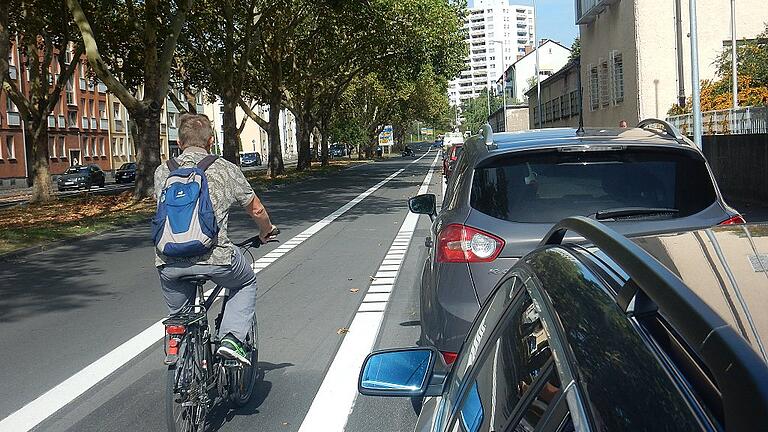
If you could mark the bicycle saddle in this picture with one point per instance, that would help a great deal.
(196, 279)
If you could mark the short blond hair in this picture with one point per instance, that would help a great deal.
(194, 130)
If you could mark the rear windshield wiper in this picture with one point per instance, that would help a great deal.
(634, 211)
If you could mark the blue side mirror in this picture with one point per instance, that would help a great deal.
(402, 372)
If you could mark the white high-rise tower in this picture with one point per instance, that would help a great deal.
(488, 23)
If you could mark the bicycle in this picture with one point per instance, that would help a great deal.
(197, 379)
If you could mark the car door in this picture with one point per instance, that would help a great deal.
(515, 384)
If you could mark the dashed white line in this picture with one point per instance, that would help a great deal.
(335, 399)
(33, 413)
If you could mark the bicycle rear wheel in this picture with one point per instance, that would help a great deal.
(183, 410)
(244, 378)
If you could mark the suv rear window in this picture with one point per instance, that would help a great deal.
(549, 186)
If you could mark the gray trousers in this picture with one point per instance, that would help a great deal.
(239, 278)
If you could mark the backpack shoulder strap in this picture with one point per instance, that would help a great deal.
(172, 164)
(206, 162)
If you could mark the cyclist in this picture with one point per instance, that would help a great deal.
(224, 263)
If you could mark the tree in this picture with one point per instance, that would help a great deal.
(575, 49)
(214, 51)
(475, 110)
(139, 41)
(44, 34)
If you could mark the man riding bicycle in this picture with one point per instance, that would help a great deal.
(224, 262)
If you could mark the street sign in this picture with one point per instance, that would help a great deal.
(385, 137)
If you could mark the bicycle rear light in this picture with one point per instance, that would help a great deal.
(175, 329)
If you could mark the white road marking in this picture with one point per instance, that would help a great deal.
(33, 413)
(335, 399)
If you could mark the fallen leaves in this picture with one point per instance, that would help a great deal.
(342, 330)
(354, 290)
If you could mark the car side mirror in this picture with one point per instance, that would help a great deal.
(404, 372)
(424, 204)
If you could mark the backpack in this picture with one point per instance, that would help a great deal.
(185, 223)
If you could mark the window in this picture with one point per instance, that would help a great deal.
(102, 150)
(547, 187)
(10, 148)
(52, 147)
(86, 148)
(617, 75)
(9, 105)
(116, 110)
(115, 151)
(68, 56)
(515, 364)
(565, 106)
(575, 105)
(95, 144)
(594, 88)
(70, 92)
(605, 97)
(172, 120)
(72, 118)
(556, 109)
(62, 148)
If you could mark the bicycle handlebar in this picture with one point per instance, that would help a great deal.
(255, 241)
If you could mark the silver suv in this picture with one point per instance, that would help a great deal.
(508, 189)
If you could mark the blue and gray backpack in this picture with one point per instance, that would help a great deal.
(185, 223)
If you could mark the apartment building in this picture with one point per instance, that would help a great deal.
(560, 99)
(78, 127)
(496, 33)
(552, 57)
(635, 54)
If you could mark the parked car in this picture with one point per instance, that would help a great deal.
(507, 190)
(604, 338)
(250, 159)
(126, 173)
(449, 161)
(81, 177)
(337, 150)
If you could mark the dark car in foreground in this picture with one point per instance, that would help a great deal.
(126, 173)
(661, 333)
(81, 177)
(250, 159)
(507, 190)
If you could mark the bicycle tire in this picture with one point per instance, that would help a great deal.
(183, 418)
(244, 379)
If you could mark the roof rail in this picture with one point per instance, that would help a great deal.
(668, 128)
(741, 375)
(487, 132)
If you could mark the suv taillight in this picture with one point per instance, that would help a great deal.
(463, 244)
(733, 220)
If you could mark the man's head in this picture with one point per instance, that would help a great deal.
(195, 131)
(623, 124)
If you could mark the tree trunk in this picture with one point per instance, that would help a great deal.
(324, 146)
(276, 166)
(316, 140)
(37, 162)
(230, 129)
(303, 136)
(147, 151)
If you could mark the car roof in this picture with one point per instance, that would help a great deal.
(555, 137)
(725, 266)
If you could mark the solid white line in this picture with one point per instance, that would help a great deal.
(31, 414)
(335, 399)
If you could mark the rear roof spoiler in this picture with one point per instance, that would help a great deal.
(741, 375)
(668, 128)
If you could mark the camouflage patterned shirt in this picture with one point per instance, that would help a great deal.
(226, 185)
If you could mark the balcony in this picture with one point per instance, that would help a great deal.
(588, 10)
(749, 120)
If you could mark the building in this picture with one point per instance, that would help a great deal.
(635, 54)
(517, 119)
(253, 138)
(560, 99)
(78, 127)
(496, 33)
(522, 74)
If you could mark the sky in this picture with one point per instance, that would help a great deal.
(555, 19)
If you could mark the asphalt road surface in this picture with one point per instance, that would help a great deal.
(80, 323)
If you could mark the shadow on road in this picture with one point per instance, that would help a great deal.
(224, 413)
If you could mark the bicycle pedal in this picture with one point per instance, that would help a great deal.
(232, 363)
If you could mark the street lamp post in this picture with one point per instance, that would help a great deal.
(503, 82)
(695, 83)
(538, 73)
(734, 59)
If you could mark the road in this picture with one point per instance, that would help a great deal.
(79, 323)
(12, 197)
